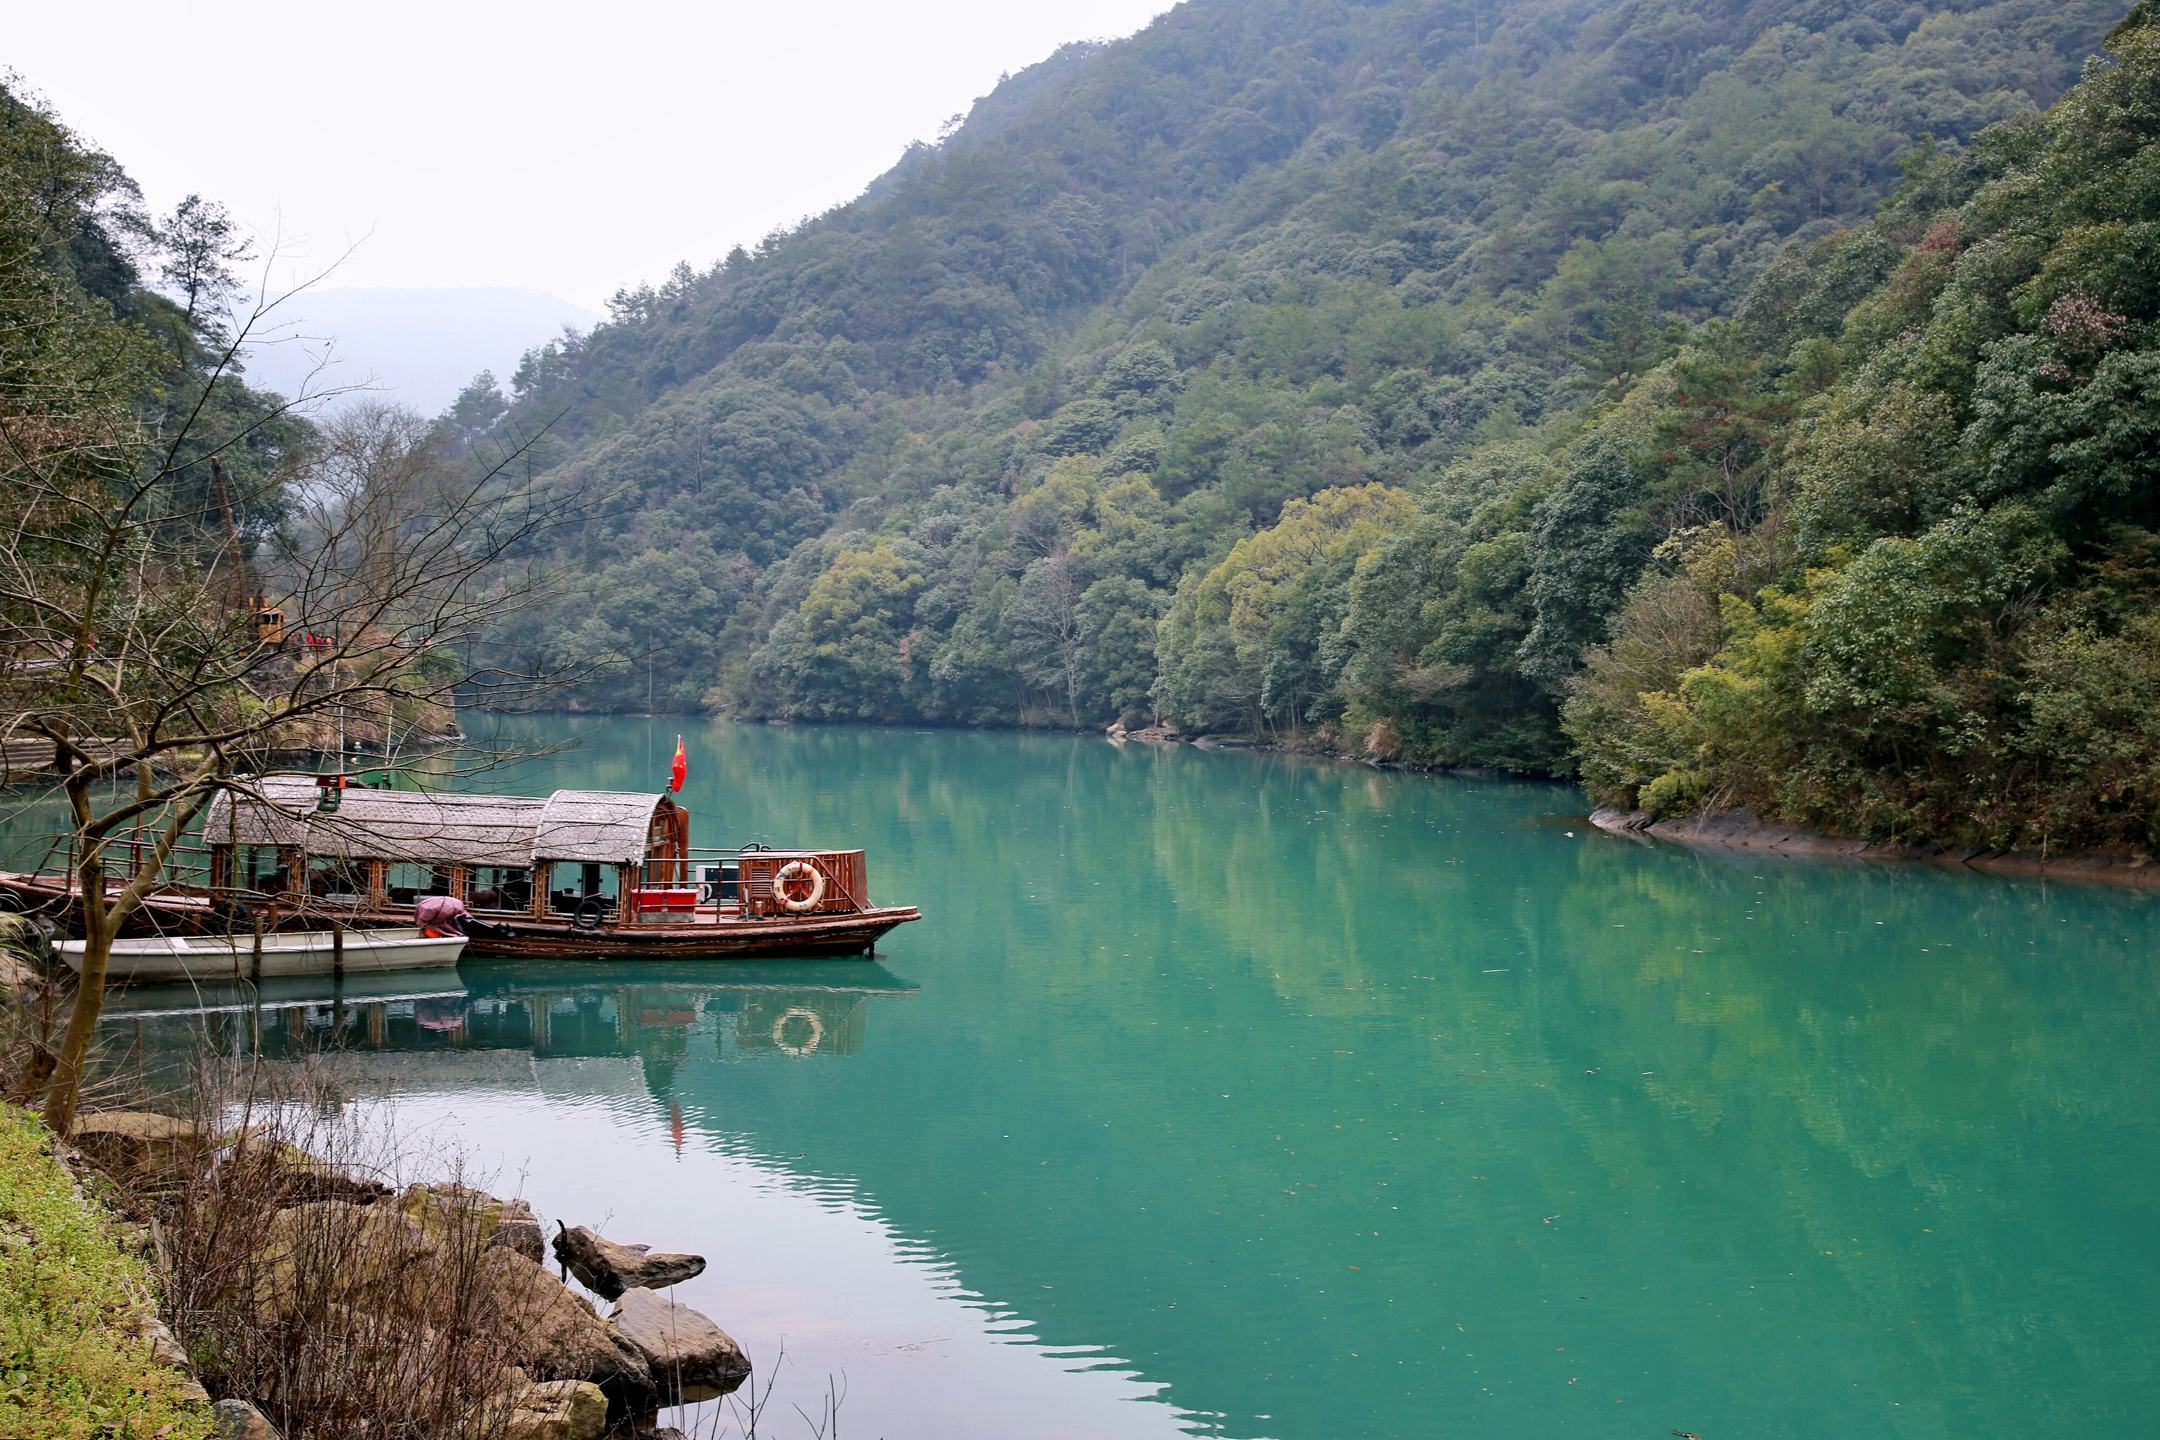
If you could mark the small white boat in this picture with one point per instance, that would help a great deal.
(298, 952)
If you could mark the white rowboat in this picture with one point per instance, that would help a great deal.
(306, 952)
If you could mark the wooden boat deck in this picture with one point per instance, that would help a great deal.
(579, 873)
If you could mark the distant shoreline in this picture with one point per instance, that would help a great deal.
(1741, 830)
(1722, 830)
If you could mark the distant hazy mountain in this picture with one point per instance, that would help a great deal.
(415, 346)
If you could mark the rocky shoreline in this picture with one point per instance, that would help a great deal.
(1726, 829)
(1742, 830)
(569, 1372)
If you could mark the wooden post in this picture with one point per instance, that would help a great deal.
(255, 968)
(337, 951)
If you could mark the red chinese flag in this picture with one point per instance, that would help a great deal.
(680, 768)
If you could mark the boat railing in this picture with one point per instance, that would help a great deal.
(127, 856)
(689, 869)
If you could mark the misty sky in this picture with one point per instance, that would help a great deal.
(571, 148)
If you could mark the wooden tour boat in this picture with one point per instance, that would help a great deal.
(580, 874)
(284, 953)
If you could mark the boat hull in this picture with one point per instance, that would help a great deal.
(823, 937)
(219, 958)
(703, 938)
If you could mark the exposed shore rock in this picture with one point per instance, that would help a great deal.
(364, 1253)
(508, 1223)
(327, 1247)
(297, 1178)
(166, 1349)
(19, 980)
(567, 1340)
(556, 1410)
(691, 1358)
(139, 1144)
(1741, 830)
(608, 1269)
(238, 1420)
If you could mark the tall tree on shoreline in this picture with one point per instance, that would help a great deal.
(130, 635)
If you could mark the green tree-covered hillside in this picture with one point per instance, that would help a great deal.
(1339, 372)
(1946, 622)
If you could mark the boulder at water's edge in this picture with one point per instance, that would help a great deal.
(690, 1357)
(608, 1269)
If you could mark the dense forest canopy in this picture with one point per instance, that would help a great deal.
(1729, 403)
(116, 327)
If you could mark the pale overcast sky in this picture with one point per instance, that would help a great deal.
(570, 148)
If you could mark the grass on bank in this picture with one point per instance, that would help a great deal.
(71, 1366)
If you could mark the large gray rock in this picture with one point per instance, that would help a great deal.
(556, 1410)
(523, 1235)
(238, 1420)
(608, 1269)
(284, 1174)
(140, 1145)
(19, 979)
(167, 1351)
(561, 1336)
(690, 1357)
(363, 1257)
(445, 1209)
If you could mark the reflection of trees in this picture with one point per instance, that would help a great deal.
(1313, 941)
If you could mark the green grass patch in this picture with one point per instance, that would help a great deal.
(71, 1367)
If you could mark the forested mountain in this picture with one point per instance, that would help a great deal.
(116, 334)
(1397, 375)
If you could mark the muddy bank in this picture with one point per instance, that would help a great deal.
(1740, 830)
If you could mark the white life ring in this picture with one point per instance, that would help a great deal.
(808, 1047)
(791, 872)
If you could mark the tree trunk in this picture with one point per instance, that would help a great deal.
(99, 925)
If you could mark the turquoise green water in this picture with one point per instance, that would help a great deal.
(1250, 1096)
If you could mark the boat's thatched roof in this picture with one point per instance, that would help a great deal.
(604, 825)
(577, 825)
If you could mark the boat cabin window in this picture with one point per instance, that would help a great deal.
(337, 881)
(499, 887)
(262, 868)
(572, 884)
(408, 881)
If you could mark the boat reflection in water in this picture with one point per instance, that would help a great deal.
(795, 1010)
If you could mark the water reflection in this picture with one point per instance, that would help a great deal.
(654, 1012)
(626, 1096)
(1300, 1100)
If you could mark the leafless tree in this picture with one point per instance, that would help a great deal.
(131, 632)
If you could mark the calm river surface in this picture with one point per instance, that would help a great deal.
(1241, 1095)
